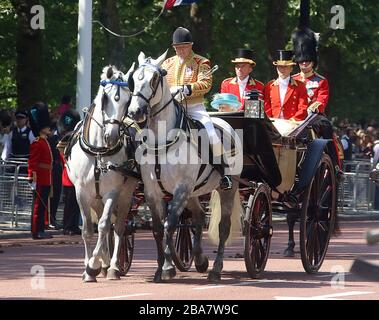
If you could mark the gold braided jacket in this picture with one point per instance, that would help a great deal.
(192, 71)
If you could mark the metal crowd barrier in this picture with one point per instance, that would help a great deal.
(16, 197)
(357, 192)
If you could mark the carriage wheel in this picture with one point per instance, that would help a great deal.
(258, 231)
(126, 250)
(183, 240)
(318, 215)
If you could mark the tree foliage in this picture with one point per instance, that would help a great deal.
(348, 57)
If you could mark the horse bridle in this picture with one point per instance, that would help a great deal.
(119, 82)
(161, 73)
(103, 151)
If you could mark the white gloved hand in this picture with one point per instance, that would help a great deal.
(176, 89)
(33, 185)
(185, 89)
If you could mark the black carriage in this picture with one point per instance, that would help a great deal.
(284, 172)
(287, 172)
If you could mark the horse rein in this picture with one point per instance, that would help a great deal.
(161, 74)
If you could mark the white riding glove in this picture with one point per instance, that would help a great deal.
(185, 89)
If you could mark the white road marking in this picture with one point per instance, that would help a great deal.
(331, 275)
(120, 297)
(326, 296)
(208, 287)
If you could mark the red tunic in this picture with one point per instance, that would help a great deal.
(317, 89)
(230, 85)
(40, 161)
(66, 182)
(295, 102)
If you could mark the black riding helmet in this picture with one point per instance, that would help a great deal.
(181, 36)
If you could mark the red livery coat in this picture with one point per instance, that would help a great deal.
(317, 89)
(230, 85)
(295, 102)
(40, 162)
(66, 182)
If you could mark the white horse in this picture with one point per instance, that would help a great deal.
(99, 147)
(152, 101)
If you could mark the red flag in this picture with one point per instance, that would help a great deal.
(168, 4)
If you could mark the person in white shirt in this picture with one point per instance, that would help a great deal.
(243, 82)
(285, 97)
(19, 139)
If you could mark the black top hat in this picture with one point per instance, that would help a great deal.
(21, 114)
(39, 118)
(244, 56)
(284, 58)
(181, 36)
(67, 121)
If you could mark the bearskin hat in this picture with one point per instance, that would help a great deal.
(39, 118)
(303, 38)
(67, 121)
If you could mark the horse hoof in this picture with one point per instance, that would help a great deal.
(92, 272)
(104, 272)
(214, 276)
(202, 268)
(87, 278)
(158, 277)
(113, 274)
(168, 274)
(289, 253)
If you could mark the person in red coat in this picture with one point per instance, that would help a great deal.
(317, 86)
(243, 83)
(285, 97)
(305, 51)
(71, 212)
(39, 168)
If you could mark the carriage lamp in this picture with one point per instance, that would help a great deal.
(254, 105)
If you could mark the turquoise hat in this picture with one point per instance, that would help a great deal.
(225, 98)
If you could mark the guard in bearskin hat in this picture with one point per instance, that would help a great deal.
(40, 168)
(243, 83)
(71, 212)
(305, 48)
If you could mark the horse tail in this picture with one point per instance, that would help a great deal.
(215, 209)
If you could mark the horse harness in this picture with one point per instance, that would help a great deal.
(82, 134)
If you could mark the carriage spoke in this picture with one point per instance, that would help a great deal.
(310, 241)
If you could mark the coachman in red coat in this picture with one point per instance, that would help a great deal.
(285, 97)
(243, 83)
(39, 168)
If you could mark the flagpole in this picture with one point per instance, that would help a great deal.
(84, 60)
